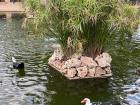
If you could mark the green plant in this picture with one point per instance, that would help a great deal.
(39, 21)
(86, 26)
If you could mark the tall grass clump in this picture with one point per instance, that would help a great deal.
(85, 26)
(39, 12)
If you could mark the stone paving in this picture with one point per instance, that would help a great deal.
(11, 7)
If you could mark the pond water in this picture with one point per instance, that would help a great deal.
(41, 85)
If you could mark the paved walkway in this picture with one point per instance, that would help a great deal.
(11, 7)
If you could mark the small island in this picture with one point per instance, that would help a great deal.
(80, 67)
(84, 30)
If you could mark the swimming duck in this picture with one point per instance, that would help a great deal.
(17, 65)
(87, 101)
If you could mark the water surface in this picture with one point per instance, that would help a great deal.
(41, 85)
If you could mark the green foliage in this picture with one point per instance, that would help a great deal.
(85, 26)
(38, 10)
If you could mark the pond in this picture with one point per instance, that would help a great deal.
(41, 85)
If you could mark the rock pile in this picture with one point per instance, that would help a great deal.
(83, 66)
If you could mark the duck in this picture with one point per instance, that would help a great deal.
(87, 101)
(17, 65)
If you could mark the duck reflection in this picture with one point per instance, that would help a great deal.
(20, 73)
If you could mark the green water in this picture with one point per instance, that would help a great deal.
(41, 85)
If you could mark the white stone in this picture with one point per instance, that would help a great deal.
(72, 63)
(99, 72)
(103, 60)
(88, 61)
(57, 63)
(91, 72)
(82, 71)
(71, 72)
(108, 57)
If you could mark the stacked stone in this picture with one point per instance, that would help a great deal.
(83, 66)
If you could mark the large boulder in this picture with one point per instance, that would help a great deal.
(72, 63)
(108, 57)
(57, 63)
(99, 71)
(82, 71)
(103, 60)
(91, 72)
(71, 72)
(88, 61)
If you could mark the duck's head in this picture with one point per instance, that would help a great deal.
(13, 59)
(85, 101)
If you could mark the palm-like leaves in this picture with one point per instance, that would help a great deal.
(88, 24)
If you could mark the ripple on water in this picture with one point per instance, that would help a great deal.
(133, 99)
(15, 89)
(132, 94)
(40, 86)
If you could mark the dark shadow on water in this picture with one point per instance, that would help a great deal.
(96, 89)
(18, 16)
(2, 16)
(20, 73)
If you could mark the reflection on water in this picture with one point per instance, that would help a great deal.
(39, 84)
(16, 87)
(21, 73)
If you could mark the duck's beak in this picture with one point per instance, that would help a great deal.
(83, 101)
